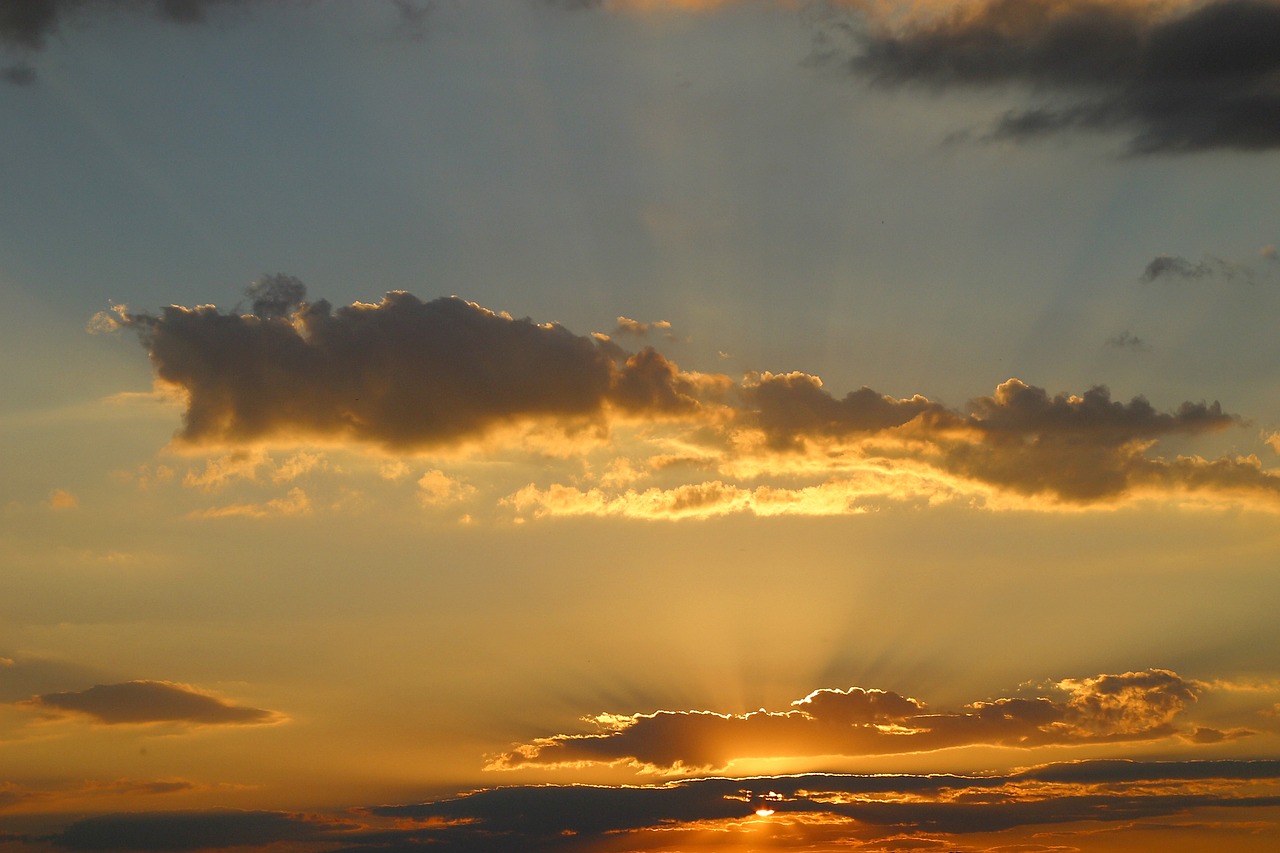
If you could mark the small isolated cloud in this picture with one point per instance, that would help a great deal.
(1165, 267)
(635, 328)
(1126, 340)
(412, 18)
(1108, 708)
(436, 488)
(61, 499)
(1172, 76)
(19, 74)
(142, 702)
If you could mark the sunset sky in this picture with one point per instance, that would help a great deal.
(640, 425)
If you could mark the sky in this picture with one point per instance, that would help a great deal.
(639, 425)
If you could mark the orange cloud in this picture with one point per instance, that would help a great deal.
(60, 499)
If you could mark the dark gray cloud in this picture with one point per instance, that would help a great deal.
(19, 74)
(401, 373)
(151, 702)
(1177, 267)
(810, 809)
(1199, 77)
(1127, 340)
(794, 406)
(195, 830)
(1081, 448)
(277, 295)
(1088, 447)
(29, 23)
(1109, 792)
(1107, 708)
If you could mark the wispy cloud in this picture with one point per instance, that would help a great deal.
(1172, 267)
(295, 503)
(143, 702)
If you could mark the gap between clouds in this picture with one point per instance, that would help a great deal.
(407, 377)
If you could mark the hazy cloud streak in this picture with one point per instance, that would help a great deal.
(135, 702)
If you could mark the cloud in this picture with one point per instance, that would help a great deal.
(401, 373)
(19, 74)
(26, 25)
(408, 376)
(812, 810)
(277, 295)
(66, 798)
(627, 326)
(295, 503)
(838, 809)
(436, 488)
(1176, 267)
(794, 406)
(62, 499)
(195, 830)
(141, 702)
(1175, 77)
(1127, 340)
(854, 722)
(221, 471)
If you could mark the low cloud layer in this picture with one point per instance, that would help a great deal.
(141, 702)
(1109, 708)
(409, 376)
(809, 811)
(914, 810)
(1174, 76)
